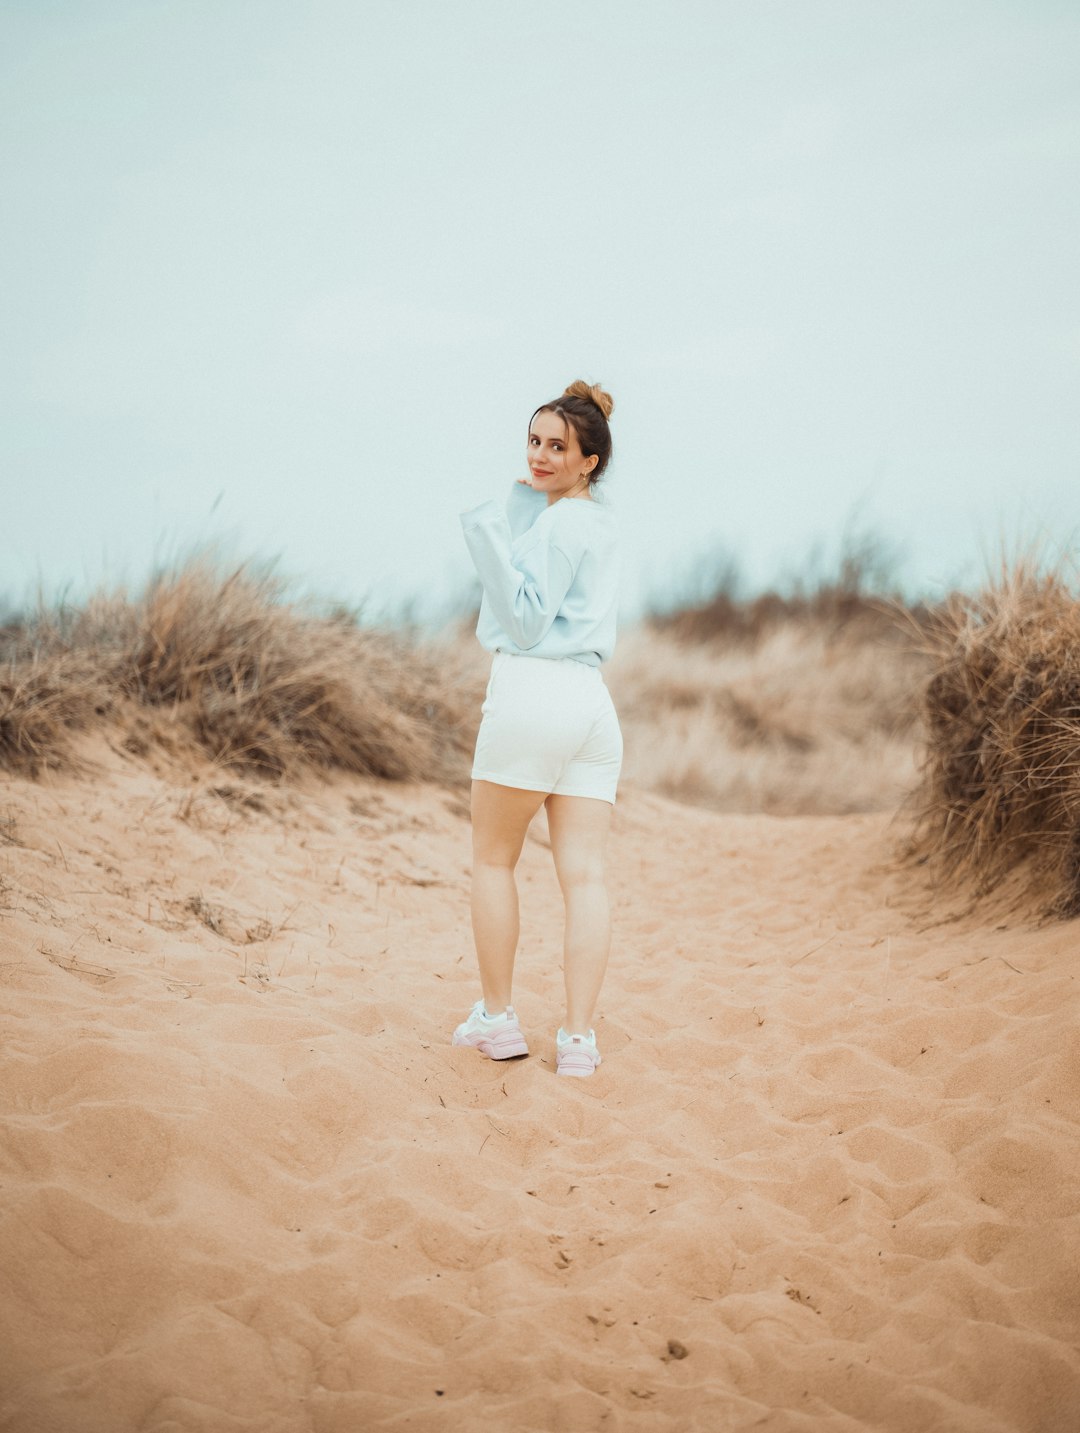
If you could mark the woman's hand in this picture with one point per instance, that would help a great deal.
(526, 481)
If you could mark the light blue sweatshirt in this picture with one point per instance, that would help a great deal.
(550, 575)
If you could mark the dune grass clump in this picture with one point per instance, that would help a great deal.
(42, 697)
(260, 684)
(1000, 773)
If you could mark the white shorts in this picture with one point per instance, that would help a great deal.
(549, 724)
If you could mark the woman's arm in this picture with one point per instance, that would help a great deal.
(526, 598)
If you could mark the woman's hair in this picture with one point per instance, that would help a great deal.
(587, 408)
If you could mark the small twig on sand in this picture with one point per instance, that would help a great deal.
(888, 964)
(1013, 967)
(811, 950)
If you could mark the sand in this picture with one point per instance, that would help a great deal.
(826, 1177)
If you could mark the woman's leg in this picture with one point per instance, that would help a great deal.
(579, 830)
(500, 819)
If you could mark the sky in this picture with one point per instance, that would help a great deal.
(290, 279)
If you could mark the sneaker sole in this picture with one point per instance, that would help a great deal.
(509, 1045)
(576, 1062)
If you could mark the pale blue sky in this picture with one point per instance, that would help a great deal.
(294, 276)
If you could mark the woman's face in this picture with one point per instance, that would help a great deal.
(555, 459)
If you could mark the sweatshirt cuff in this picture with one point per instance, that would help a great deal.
(474, 516)
(518, 489)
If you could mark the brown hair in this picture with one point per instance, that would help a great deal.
(587, 408)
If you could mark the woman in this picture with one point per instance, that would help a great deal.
(550, 736)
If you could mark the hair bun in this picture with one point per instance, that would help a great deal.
(594, 393)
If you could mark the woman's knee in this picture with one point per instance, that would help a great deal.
(583, 875)
(498, 860)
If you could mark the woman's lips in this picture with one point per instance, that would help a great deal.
(538, 474)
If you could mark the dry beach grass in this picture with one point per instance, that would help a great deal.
(800, 721)
(221, 659)
(1000, 789)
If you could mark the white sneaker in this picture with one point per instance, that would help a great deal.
(498, 1037)
(576, 1054)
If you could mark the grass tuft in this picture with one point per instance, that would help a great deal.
(43, 696)
(1000, 774)
(263, 685)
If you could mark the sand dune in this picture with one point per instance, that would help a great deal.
(825, 1179)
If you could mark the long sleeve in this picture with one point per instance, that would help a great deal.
(525, 593)
(523, 506)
